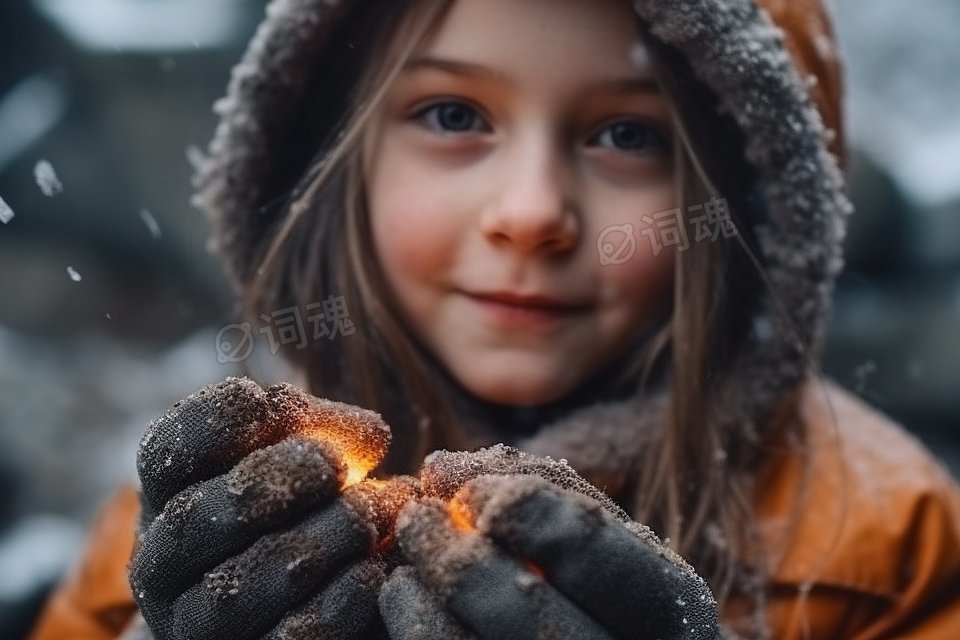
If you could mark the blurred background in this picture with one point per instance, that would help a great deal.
(111, 309)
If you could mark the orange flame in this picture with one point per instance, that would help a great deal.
(356, 471)
(359, 462)
(359, 437)
(460, 516)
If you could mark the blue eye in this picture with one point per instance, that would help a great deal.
(455, 117)
(632, 136)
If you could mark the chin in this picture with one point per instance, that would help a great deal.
(516, 391)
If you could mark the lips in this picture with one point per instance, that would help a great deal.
(533, 301)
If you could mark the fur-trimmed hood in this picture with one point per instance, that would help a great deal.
(774, 67)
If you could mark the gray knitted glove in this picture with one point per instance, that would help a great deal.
(535, 552)
(246, 530)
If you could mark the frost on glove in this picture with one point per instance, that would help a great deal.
(249, 528)
(531, 552)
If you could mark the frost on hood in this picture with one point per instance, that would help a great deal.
(46, 178)
(737, 51)
(6, 213)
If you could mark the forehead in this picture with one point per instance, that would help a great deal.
(546, 40)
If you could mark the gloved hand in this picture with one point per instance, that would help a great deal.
(526, 554)
(246, 528)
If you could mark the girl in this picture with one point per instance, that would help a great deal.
(596, 230)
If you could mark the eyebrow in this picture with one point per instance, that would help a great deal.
(634, 84)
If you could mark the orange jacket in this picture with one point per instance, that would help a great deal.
(868, 534)
(868, 530)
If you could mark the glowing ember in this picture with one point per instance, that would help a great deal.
(460, 515)
(356, 471)
(359, 436)
(358, 466)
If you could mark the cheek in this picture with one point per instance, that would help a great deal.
(647, 280)
(412, 221)
(633, 278)
(636, 289)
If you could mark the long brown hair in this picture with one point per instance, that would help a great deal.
(695, 474)
(697, 478)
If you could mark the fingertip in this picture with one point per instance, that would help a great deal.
(399, 590)
(201, 436)
(380, 501)
(345, 608)
(485, 497)
(584, 551)
(276, 477)
(360, 435)
(444, 472)
(435, 546)
(419, 514)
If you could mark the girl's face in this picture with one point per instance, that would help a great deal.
(513, 142)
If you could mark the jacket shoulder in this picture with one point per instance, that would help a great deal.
(95, 601)
(861, 510)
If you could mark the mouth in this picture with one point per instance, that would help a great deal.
(531, 311)
(533, 302)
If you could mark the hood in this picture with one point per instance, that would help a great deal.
(772, 63)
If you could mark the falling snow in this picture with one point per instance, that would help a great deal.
(195, 157)
(151, 223)
(74, 274)
(640, 56)
(47, 179)
(6, 213)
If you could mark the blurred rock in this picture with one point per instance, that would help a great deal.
(878, 241)
(937, 248)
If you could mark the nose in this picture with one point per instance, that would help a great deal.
(534, 209)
